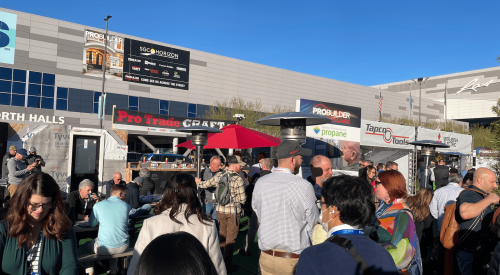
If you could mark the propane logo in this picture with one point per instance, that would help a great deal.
(387, 134)
(316, 129)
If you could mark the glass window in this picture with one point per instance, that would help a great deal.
(163, 105)
(133, 108)
(4, 99)
(18, 88)
(19, 75)
(62, 93)
(35, 77)
(163, 112)
(48, 91)
(96, 96)
(192, 108)
(18, 100)
(133, 102)
(35, 90)
(96, 108)
(47, 103)
(34, 101)
(5, 86)
(5, 73)
(49, 79)
(191, 115)
(62, 104)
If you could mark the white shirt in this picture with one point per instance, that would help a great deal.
(340, 227)
(442, 197)
(285, 205)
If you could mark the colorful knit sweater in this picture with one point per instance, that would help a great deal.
(396, 232)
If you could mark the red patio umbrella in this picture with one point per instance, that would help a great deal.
(236, 137)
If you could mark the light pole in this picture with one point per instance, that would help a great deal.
(420, 80)
(104, 72)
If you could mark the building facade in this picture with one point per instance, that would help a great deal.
(50, 89)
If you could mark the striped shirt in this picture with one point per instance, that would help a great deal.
(237, 192)
(33, 255)
(285, 205)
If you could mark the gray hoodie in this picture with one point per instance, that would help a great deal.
(17, 171)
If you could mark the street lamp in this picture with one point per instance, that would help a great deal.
(199, 139)
(104, 71)
(428, 150)
(293, 124)
(420, 80)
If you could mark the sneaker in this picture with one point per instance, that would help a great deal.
(230, 267)
(243, 252)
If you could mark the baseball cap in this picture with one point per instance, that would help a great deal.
(32, 149)
(235, 160)
(23, 153)
(138, 180)
(290, 148)
(13, 147)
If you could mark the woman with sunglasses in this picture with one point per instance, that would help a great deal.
(394, 227)
(36, 236)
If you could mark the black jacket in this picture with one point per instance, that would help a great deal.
(110, 184)
(249, 190)
(76, 206)
(132, 196)
(441, 173)
(147, 185)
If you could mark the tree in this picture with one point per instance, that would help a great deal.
(253, 111)
(495, 139)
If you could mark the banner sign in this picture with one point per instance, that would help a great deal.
(338, 140)
(486, 152)
(458, 142)
(157, 123)
(339, 114)
(8, 25)
(93, 58)
(382, 134)
(152, 64)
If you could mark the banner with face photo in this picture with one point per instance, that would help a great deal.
(338, 140)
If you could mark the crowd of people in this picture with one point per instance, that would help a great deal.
(325, 224)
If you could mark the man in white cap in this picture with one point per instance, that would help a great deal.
(34, 158)
(285, 205)
(228, 214)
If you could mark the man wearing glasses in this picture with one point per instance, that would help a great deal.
(208, 196)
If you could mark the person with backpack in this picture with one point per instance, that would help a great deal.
(346, 207)
(473, 212)
(229, 197)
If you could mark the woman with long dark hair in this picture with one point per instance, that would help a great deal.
(178, 253)
(180, 210)
(36, 230)
(419, 204)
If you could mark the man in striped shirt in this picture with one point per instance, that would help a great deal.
(229, 214)
(285, 205)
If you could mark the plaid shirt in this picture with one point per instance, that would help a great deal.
(237, 192)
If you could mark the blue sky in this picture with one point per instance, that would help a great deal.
(363, 42)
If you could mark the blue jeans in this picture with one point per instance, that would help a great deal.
(464, 262)
(143, 210)
(211, 208)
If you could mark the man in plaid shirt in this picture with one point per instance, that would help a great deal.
(229, 214)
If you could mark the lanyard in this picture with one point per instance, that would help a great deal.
(348, 231)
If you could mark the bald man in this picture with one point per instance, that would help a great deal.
(321, 171)
(474, 213)
(351, 155)
(117, 179)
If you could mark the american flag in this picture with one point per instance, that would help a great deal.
(380, 100)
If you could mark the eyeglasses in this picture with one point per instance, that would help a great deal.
(35, 207)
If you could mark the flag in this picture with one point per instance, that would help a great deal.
(380, 100)
(411, 102)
